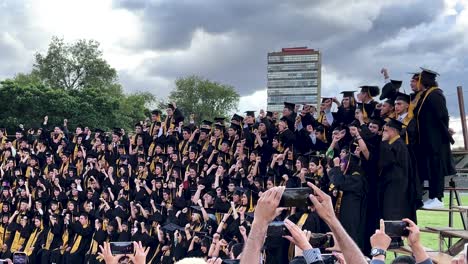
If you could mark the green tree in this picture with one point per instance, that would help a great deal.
(74, 82)
(73, 65)
(204, 98)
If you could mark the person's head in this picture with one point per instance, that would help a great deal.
(155, 115)
(186, 133)
(83, 219)
(401, 105)
(374, 126)
(414, 83)
(37, 222)
(391, 129)
(404, 260)
(288, 109)
(282, 125)
(387, 108)
(270, 184)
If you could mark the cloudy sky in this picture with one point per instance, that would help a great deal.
(152, 42)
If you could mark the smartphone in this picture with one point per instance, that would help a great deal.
(328, 258)
(20, 258)
(296, 197)
(396, 228)
(277, 229)
(124, 248)
(322, 241)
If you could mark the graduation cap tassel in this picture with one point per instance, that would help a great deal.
(251, 201)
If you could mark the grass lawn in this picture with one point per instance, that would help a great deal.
(436, 219)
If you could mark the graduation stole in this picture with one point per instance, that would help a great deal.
(300, 224)
(75, 151)
(183, 147)
(64, 167)
(76, 242)
(168, 124)
(405, 122)
(79, 166)
(419, 110)
(65, 241)
(151, 149)
(94, 245)
(32, 240)
(205, 144)
(219, 142)
(50, 238)
(18, 241)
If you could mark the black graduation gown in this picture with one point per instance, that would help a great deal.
(433, 146)
(394, 192)
(352, 214)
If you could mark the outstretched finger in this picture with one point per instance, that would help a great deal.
(382, 226)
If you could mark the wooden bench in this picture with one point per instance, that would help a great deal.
(437, 257)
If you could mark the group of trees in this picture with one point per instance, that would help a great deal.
(72, 81)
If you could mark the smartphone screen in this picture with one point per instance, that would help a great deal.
(396, 228)
(124, 248)
(20, 258)
(295, 197)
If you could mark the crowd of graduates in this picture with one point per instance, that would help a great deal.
(188, 189)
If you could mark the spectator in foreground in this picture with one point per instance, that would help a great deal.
(381, 241)
(265, 213)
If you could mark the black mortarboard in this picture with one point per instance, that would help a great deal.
(290, 106)
(138, 124)
(187, 129)
(237, 118)
(427, 74)
(403, 97)
(171, 227)
(370, 89)
(396, 83)
(348, 93)
(34, 157)
(98, 130)
(219, 120)
(117, 131)
(235, 126)
(206, 130)
(320, 129)
(269, 113)
(325, 98)
(219, 126)
(388, 91)
(156, 112)
(207, 123)
(66, 153)
(394, 124)
(390, 101)
(227, 141)
(171, 106)
(250, 113)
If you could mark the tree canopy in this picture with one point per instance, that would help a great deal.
(74, 65)
(72, 81)
(204, 98)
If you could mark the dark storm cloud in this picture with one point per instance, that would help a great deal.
(347, 35)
